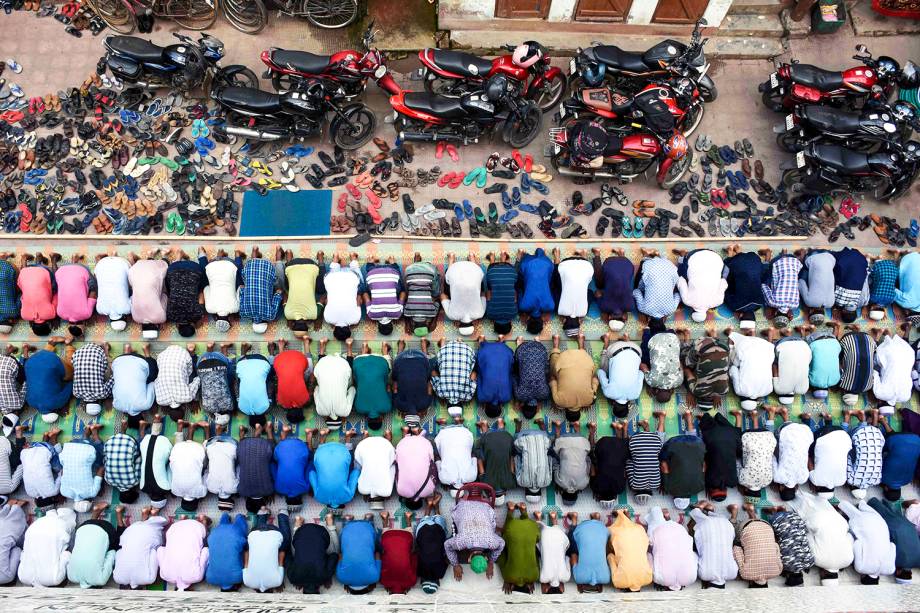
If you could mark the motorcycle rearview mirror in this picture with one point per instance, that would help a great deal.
(860, 48)
(596, 43)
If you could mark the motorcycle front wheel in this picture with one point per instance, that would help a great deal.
(793, 180)
(692, 119)
(788, 142)
(238, 77)
(524, 130)
(547, 96)
(676, 171)
(708, 92)
(354, 133)
(772, 100)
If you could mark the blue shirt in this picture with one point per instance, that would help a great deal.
(493, 365)
(289, 467)
(656, 294)
(908, 293)
(411, 371)
(590, 540)
(850, 269)
(252, 392)
(744, 293)
(899, 458)
(9, 295)
(258, 299)
(46, 390)
(536, 273)
(501, 281)
(824, 370)
(883, 279)
(358, 544)
(622, 380)
(226, 544)
(332, 476)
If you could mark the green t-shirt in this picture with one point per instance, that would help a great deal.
(518, 561)
(495, 450)
(371, 374)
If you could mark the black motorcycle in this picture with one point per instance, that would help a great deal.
(184, 66)
(868, 130)
(630, 72)
(258, 115)
(821, 169)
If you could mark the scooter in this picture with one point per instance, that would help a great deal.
(659, 106)
(498, 107)
(452, 73)
(630, 72)
(266, 116)
(873, 81)
(588, 151)
(826, 169)
(868, 130)
(183, 66)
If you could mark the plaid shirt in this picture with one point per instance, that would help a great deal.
(175, 384)
(851, 299)
(656, 295)
(883, 279)
(90, 364)
(78, 479)
(456, 362)
(9, 299)
(782, 292)
(122, 462)
(864, 464)
(12, 380)
(258, 299)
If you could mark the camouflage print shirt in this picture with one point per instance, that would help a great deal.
(707, 357)
(665, 371)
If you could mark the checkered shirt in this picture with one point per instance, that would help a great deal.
(851, 299)
(122, 462)
(90, 364)
(175, 385)
(9, 300)
(12, 392)
(258, 299)
(656, 295)
(883, 280)
(782, 293)
(456, 362)
(864, 464)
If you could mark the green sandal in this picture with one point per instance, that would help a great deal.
(168, 163)
(147, 161)
(627, 228)
(171, 222)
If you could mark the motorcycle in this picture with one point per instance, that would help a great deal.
(183, 66)
(453, 73)
(821, 169)
(873, 81)
(630, 72)
(868, 130)
(660, 106)
(587, 150)
(267, 116)
(349, 69)
(424, 117)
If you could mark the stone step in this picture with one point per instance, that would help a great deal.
(795, 29)
(868, 23)
(562, 43)
(744, 24)
(756, 7)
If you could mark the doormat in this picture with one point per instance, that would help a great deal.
(284, 213)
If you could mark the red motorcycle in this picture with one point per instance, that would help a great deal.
(587, 150)
(452, 73)
(795, 83)
(659, 106)
(350, 69)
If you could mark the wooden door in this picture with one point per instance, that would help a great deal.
(602, 10)
(522, 9)
(679, 11)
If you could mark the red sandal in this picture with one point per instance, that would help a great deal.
(439, 150)
(452, 152)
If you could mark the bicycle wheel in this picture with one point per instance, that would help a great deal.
(247, 16)
(193, 14)
(117, 14)
(330, 14)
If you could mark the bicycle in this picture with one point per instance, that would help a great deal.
(121, 15)
(326, 14)
(247, 16)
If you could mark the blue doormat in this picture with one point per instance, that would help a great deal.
(284, 213)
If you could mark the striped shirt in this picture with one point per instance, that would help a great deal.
(501, 281)
(10, 478)
(384, 285)
(532, 466)
(423, 287)
(643, 468)
(858, 351)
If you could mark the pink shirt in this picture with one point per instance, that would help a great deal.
(39, 304)
(74, 303)
(674, 562)
(184, 558)
(148, 302)
(415, 474)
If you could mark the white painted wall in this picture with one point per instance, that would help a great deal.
(641, 11)
(562, 10)
(466, 9)
(716, 12)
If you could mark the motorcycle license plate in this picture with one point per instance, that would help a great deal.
(800, 159)
(774, 81)
(790, 122)
(572, 66)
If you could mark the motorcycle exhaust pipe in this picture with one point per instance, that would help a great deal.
(253, 134)
(568, 172)
(426, 137)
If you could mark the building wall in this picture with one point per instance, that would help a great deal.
(466, 9)
(640, 13)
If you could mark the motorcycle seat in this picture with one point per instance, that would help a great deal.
(433, 104)
(459, 63)
(615, 57)
(134, 47)
(606, 100)
(812, 76)
(301, 61)
(249, 99)
(840, 158)
(827, 119)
